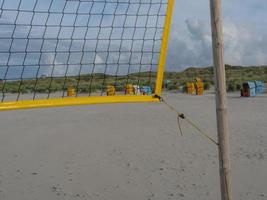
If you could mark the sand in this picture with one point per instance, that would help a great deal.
(131, 151)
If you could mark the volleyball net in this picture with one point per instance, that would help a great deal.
(73, 52)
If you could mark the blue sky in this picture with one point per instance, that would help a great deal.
(245, 32)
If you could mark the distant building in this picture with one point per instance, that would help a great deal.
(1, 81)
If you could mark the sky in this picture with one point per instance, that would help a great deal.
(56, 36)
(245, 33)
(245, 36)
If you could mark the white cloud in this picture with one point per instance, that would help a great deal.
(99, 60)
(244, 46)
(245, 33)
(192, 47)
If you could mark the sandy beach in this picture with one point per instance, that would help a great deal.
(131, 151)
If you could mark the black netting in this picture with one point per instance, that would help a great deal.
(48, 46)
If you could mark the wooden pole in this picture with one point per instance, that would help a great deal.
(221, 99)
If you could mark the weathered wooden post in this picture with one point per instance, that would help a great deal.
(221, 99)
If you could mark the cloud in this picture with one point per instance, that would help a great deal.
(244, 45)
(190, 41)
(99, 60)
(192, 47)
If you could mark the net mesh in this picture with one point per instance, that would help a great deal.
(48, 46)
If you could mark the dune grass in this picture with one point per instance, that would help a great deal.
(236, 75)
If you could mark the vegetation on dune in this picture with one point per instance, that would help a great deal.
(83, 84)
(236, 75)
